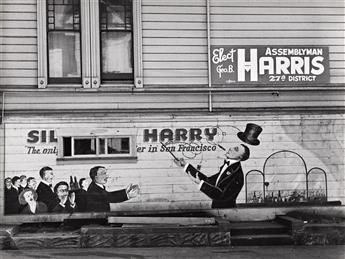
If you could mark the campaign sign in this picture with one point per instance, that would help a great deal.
(269, 64)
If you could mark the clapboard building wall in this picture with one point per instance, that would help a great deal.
(175, 92)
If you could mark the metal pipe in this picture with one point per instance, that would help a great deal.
(209, 54)
(3, 108)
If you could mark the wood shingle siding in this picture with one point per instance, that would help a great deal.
(18, 44)
(175, 39)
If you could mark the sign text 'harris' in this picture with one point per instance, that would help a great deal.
(269, 64)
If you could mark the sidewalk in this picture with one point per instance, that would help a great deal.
(243, 252)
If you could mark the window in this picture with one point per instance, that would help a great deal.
(90, 42)
(100, 146)
(116, 39)
(64, 63)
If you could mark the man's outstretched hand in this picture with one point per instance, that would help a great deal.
(132, 190)
(180, 162)
(195, 179)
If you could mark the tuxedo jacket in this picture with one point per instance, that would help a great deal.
(98, 199)
(224, 192)
(46, 195)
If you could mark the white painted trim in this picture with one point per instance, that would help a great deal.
(42, 69)
(94, 41)
(85, 43)
(137, 44)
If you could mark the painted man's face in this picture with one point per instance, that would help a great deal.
(16, 183)
(102, 176)
(62, 191)
(48, 176)
(235, 152)
(85, 184)
(23, 182)
(8, 183)
(32, 184)
(29, 197)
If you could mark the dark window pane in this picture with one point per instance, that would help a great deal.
(101, 146)
(67, 146)
(118, 145)
(64, 54)
(84, 146)
(64, 17)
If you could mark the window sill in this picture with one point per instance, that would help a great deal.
(95, 160)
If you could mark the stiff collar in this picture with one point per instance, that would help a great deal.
(46, 183)
(230, 162)
(100, 185)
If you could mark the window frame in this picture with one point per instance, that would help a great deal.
(90, 47)
(82, 133)
(63, 80)
(97, 151)
(122, 77)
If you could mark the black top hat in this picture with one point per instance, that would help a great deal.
(250, 135)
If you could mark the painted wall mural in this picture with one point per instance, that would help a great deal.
(174, 165)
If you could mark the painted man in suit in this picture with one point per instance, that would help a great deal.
(224, 186)
(45, 190)
(67, 200)
(12, 205)
(98, 199)
(81, 194)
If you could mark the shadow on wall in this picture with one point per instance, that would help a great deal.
(324, 138)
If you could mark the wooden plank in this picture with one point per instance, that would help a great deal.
(18, 48)
(174, 72)
(277, 3)
(175, 41)
(274, 34)
(18, 2)
(167, 57)
(174, 25)
(176, 81)
(174, 17)
(270, 18)
(19, 81)
(18, 73)
(45, 240)
(18, 56)
(17, 16)
(82, 98)
(175, 3)
(242, 34)
(19, 65)
(147, 49)
(13, 24)
(163, 9)
(238, 18)
(267, 41)
(338, 80)
(175, 65)
(23, 32)
(286, 10)
(337, 72)
(183, 221)
(175, 33)
(20, 8)
(265, 26)
(18, 40)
